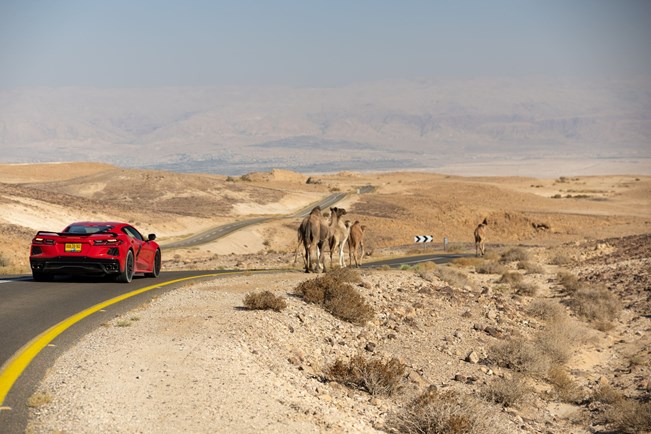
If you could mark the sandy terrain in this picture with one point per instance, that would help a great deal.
(195, 360)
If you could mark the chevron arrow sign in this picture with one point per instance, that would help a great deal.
(423, 238)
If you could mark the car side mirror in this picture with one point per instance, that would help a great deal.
(151, 237)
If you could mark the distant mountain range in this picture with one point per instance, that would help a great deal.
(369, 126)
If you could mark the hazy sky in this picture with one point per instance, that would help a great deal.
(117, 43)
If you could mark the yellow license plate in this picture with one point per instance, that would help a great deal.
(73, 247)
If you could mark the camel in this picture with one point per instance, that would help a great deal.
(314, 233)
(337, 234)
(355, 241)
(480, 238)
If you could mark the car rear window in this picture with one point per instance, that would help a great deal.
(78, 229)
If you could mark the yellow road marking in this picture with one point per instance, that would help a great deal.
(17, 364)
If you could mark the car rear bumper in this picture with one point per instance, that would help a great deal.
(75, 265)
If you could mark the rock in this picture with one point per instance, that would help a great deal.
(370, 347)
(472, 357)
(493, 331)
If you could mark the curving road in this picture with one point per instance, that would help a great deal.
(221, 231)
(35, 315)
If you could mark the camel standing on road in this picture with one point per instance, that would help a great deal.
(337, 234)
(314, 233)
(480, 238)
(355, 242)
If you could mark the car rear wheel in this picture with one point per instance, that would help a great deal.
(127, 273)
(157, 265)
(42, 277)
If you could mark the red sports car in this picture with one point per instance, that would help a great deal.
(95, 248)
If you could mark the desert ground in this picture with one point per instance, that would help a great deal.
(549, 332)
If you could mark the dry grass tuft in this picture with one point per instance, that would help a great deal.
(597, 305)
(557, 339)
(336, 296)
(345, 275)
(569, 282)
(491, 267)
(560, 260)
(531, 267)
(515, 254)
(521, 356)
(447, 412)
(607, 394)
(506, 391)
(511, 278)
(630, 416)
(527, 289)
(546, 310)
(373, 376)
(452, 277)
(264, 300)
(565, 387)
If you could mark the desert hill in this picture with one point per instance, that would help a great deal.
(402, 205)
(549, 332)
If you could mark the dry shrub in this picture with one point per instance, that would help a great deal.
(506, 391)
(468, 262)
(596, 305)
(448, 412)
(491, 267)
(264, 300)
(565, 388)
(4, 262)
(511, 278)
(557, 339)
(452, 277)
(427, 266)
(546, 310)
(607, 394)
(521, 356)
(569, 282)
(630, 416)
(560, 260)
(373, 376)
(336, 296)
(514, 255)
(345, 275)
(530, 267)
(528, 289)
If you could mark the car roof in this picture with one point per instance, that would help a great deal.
(98, 224)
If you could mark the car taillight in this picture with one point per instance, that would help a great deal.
(39, 240)
(109, 242)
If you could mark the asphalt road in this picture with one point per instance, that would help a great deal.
(30, 311)
(221, 231)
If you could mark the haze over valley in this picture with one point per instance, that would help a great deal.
(385, 125)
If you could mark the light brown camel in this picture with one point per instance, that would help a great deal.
(355, 242)
(314, 233)
(480, 238)
(337, 234)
